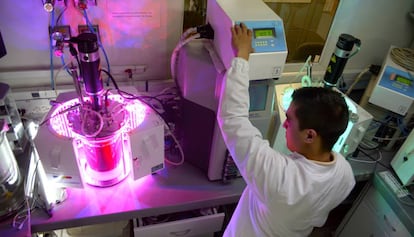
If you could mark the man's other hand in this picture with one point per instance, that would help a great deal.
(242, 40)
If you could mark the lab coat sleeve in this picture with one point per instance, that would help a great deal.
(258, 163)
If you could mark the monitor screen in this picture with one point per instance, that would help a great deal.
(2, 47)
(258, 92)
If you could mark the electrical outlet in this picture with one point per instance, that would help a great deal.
(85, 28)
(125, 69)
(63, 29)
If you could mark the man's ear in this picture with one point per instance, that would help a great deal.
(311, 135)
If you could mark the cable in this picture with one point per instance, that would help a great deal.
(52, 26)
(202, 31)
(188, 32)
(130, 96)
(164, 91)
(62, 60)
(376, 160)
(29, 220)
(405, 131)
(341, 83)
(115, 111)
(167, 126)
(60, 15)
(111, 78)
(127, 95)
(179, 148)
(373, 160)
(357, 79)
(366, 146)
(362, 161)
(60, 113)
(75, 54)
(306, 66)
(174, 55)
(403, 57)
(64, 66)
(386, 122)
(84, 123)
(389, 139)
(358, 48)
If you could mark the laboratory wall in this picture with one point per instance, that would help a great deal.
(138, 35)
(142, 34)
(377, 23)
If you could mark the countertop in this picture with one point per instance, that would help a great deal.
(174, 189)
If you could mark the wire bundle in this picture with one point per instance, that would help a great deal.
(403, 57)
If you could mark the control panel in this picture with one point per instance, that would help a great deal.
(268, 36)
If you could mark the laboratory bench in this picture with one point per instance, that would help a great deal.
(175, 189)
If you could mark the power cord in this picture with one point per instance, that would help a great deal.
(403, 57)
(145, 99)
(199, 32)
(373, 160)
(373, 69)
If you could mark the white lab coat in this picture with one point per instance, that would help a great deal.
(286, 195)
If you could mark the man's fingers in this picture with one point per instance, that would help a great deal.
(249, 32)
(237, 28)
(240, 28)
(244, 29)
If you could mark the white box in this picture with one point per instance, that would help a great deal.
(269, 41)
(394, 90)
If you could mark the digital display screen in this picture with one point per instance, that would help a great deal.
(264, 33)
(403, 80)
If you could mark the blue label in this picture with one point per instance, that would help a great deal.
(398, 81)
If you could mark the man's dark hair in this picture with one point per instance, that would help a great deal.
(323, 110)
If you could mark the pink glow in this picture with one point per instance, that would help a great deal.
(60, 124)
(104, 158)
(103, 162)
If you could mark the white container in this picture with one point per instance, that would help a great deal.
(11, 192)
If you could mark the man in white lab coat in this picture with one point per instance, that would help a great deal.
(286, 195)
